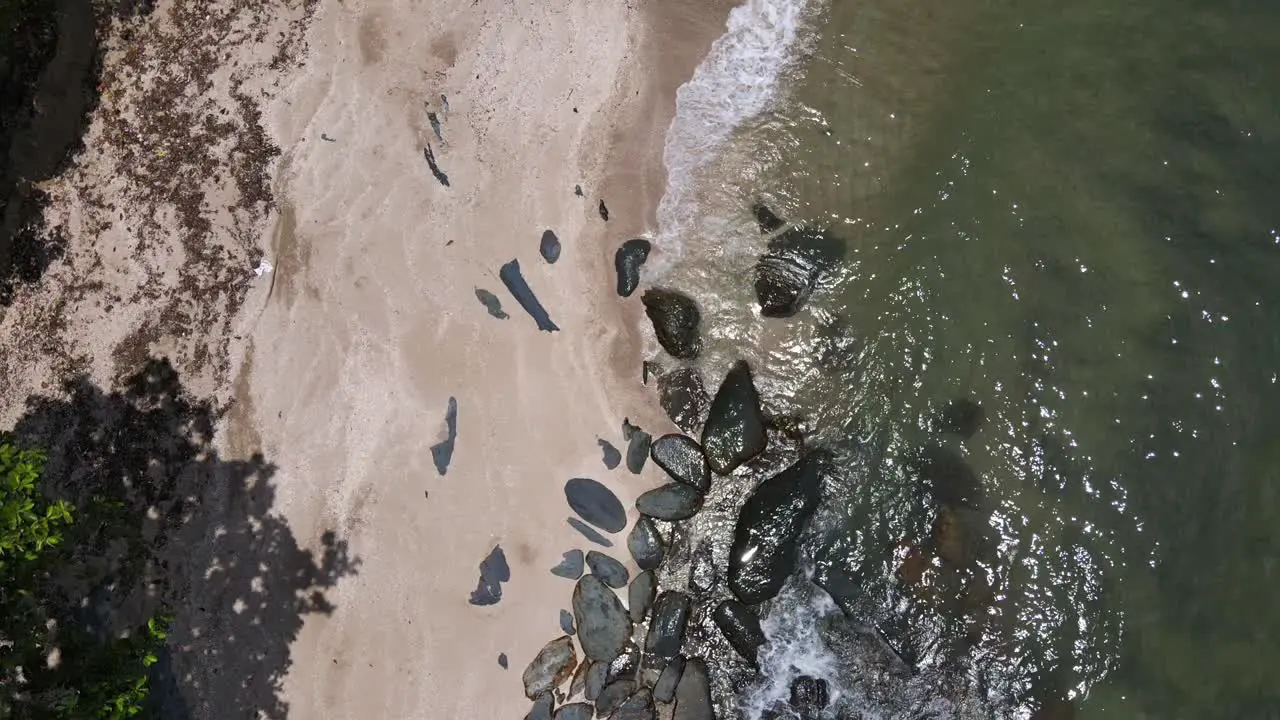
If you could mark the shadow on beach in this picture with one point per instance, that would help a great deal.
(167, 526)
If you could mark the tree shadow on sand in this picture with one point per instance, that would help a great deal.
(168, 526)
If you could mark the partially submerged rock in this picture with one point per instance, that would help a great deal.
(673, 501)
(645, 544)
(570, 565)
(735, 429)
(788, 272)
(442, 452)
(664, 691)
(596, 504)
(613, 573)
(741, 628)
(627, 261)
(549, 246)
(682, 458)
(684, 397)
(493, 572)
(609, 454)
(514, 280)
(763, 554)
(809, 696)
(693, 693)
(603, 624)
(640, 595)
(553, 664)
(765, 219)
(666, 630)
(675, 317)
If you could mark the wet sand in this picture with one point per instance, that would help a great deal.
(371, 322)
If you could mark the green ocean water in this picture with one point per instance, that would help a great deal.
(1070, 217)
(1067, 213)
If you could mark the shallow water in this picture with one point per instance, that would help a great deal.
(1069, 216)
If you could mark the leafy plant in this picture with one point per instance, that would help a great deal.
(91, 678)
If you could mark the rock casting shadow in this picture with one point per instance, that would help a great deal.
(192, 535)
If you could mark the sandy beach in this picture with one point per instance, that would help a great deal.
(336, 365)
(371, 325)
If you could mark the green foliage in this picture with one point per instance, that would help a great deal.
(28, 523)
(91, 678)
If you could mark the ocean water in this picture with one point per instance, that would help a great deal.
(1069, 217)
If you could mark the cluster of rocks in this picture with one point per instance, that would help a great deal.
(634, 655)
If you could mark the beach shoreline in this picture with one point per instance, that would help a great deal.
(295, 205)
(383, 323)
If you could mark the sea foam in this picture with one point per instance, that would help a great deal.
(740, 78)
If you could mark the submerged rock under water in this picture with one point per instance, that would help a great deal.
(684, 397)
(682, 458)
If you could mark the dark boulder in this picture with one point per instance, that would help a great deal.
(788, 272)
(809, 696)
(627, 261)
(664, 690)
(494, 571)
(597, 678)
(589, 532)
(735, 429)
(613, 695)
(553, 664)
(603, 624)
(675, 317)
(579, 683)
(624, 666)
(682, 458)
(514, 280)
(684, 397)
(596, 504)
(576, 711)
(763, 554)
(640, 595)
(613, 573)
(673, 501)
(741, 628)
(645, 544)
(542, 707)
(666, 631)
(549, 246)
(570, 566)
(638, 442)
(637, 707)
(609, 454)
(693, 693)
(765, 219)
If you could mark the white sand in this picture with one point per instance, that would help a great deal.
(372, 324)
